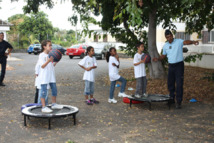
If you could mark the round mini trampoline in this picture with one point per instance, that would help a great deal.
(35, 111)
(151, 98)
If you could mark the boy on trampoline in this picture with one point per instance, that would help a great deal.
(140, 72)
(47, 77)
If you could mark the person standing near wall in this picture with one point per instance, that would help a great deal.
(4, 45)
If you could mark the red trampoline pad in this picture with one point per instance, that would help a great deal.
(126, 100)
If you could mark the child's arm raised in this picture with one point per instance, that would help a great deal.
(142, 61)
(116, 62)
(47, 62)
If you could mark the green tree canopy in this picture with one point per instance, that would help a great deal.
(37, 25)
(125, 19)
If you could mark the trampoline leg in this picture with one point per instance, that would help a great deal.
(25, 124)
(169, 105)
(49, 123)
(150, 108)
(74, 117)
(130, 103)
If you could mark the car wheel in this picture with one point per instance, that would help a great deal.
(29, 53)
(82, 56)
(71, 57)
(35, 53)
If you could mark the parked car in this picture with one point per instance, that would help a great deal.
(76, 50)
(37, 49)
(100, 50)
(55, 46)
(30, 49)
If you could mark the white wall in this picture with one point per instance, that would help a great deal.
(4, 29)
(208, 48)
(207, 61)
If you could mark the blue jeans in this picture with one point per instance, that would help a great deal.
(112, 87)
(39, 97)
(43, 92)
(89, 88)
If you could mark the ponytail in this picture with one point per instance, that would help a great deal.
(108, 54)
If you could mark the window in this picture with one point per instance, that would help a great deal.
(105, 38)
(211, 36)
(182, 35)
(205, 37)
(96, 37)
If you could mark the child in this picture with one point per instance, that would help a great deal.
(113, 63)
(140, 72)
(37, 67)
(37, 84)
(47, 77)
(88, 63)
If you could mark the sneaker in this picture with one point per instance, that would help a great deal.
(88, 102)
(93, 100)
(2, 84)
(137, 96)
(145, 95)
(122, 94)
(46, 110)
(56, 106)
(112, 100)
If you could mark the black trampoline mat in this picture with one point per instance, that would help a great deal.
(37, 110)
(152, 98)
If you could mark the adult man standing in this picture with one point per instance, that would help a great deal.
(173, 49)
(4, 45)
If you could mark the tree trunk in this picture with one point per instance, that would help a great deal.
(156, 69)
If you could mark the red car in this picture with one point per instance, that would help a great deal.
(76, 50)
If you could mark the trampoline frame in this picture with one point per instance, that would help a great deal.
(146, 99)
(26, 112)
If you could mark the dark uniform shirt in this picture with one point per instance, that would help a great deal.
(4, 45)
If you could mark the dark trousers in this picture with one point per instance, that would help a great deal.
(36, 95)
(3, 62)
(176, 75)
(141, 85)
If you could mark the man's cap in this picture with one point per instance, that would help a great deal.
(168, 32)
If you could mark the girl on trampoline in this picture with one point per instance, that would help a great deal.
(47, 77)
(89, 63)
(112, 59)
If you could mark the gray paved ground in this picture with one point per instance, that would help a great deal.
(98, 123)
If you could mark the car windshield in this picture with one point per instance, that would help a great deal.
(97, 50)
(37, 45)
(75, 46)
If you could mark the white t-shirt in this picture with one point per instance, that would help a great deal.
(139, 70)
(37, 68)
(87, 62)
(37, 81)
(113, 70)
(47, 74)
